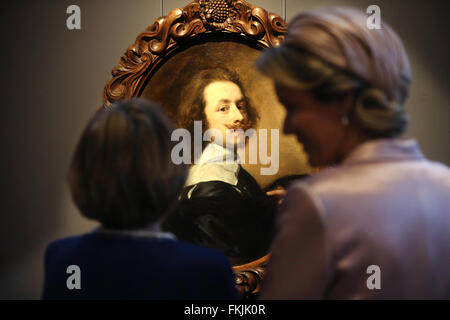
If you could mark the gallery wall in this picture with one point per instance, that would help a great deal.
(52, 81)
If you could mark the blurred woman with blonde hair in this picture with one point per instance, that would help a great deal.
(381, 207)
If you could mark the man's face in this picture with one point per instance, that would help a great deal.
(225, 109)
(317, 125)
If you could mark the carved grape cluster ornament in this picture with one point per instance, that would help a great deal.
(215, 13)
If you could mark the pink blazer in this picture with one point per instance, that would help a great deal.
(385, 206)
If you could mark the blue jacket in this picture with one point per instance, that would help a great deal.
(118, 265)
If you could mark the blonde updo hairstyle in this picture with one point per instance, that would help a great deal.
(331, 52)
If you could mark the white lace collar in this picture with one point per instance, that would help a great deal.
(215, 164)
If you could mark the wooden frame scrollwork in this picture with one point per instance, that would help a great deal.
(200, 17)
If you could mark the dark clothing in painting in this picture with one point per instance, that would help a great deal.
(235, 219)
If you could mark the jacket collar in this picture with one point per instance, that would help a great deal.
(382, 150)
(141, 233)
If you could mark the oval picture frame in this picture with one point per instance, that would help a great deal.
(238, 22)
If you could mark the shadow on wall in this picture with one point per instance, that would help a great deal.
(54, 80)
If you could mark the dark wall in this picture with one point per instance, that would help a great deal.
(52, 81)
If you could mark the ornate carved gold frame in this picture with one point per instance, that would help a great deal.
(238, 18)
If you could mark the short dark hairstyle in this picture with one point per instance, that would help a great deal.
(192, 102)
(121, 173)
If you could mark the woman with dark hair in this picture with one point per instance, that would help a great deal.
(122, 176)
(376, 224)
(221, 206)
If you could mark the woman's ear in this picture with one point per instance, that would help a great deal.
(344, 104)
(347, 103)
